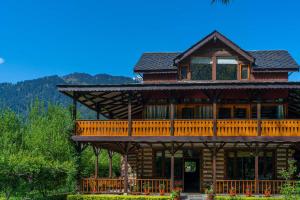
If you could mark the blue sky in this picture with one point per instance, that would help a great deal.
(41, 38)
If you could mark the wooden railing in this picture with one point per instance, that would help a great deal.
(150, 128)
(237, 127)
(116, 186)
(234, 127)
(193, 128)
(280, 127)
(153, 185)
(240, 186)
(102, 127)
(102, 185)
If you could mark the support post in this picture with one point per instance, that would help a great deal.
(256, 173)
(129, 116)
(98, 111)
(110, 156)
(215, 117)
(97, 152)
(172, 113)
(258, 112)
(214, 168)
(74, 107)
(126, 172)
(172, 171)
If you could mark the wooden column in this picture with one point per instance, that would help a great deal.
(126, 172)
(172, 113)
(110, 156)
(98, 111)
(214, 168)
(256, 173)
(215, 117)
(258, 112)
(97, 152)
(129, 116)
(172, 171)
(74, 107)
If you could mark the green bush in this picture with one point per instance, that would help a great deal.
(116, 197)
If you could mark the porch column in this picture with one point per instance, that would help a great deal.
(172, 171)
(74, 107)
(214, 168)
(172, 113)
(126, 173)
(215, 117)
(97, 152)
(110, 156)
(258, 112)
(129, 115)
(98, 111)
(256, 173)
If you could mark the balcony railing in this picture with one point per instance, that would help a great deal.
(287, 127)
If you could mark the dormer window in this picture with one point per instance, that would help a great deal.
(227, 68)
(201, 68)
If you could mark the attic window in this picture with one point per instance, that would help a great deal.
(201, 68)
(227, 69)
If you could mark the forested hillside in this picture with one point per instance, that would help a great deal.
(19, 96)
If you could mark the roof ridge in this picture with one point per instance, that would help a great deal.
(268, 50)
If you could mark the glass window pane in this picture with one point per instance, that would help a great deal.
(240, 113)
(244, 72)
(201, 68)
(183, 72)
(224, 113)
(190, 166)
(226, 69)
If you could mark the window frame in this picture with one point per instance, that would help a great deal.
(211, 65)
(237, 67)
(187, 72)
(240, 71)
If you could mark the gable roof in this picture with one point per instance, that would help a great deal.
(213, 36)
(266, 60)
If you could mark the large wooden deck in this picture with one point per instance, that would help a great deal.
(236, 127)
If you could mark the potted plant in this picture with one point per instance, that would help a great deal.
(232, 192)
(210, 193)
(248, 191)
(162, 189)
(146, 188)
(175, 195)
(267, 192)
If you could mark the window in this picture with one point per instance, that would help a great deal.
(244, 72)
(156, 112)
(190, 166)
(224, 113)
(226, 69)
(183, 72)
(201, 68)
(163, 164)
(187, 113)
(241, 165)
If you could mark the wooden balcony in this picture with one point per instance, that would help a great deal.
(286, 127)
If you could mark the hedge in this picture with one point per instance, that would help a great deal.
(116, 197)
(247, 198)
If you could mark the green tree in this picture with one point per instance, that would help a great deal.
(288, 190)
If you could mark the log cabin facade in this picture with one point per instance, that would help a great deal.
(214, 114)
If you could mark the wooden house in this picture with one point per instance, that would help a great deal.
(214, 114)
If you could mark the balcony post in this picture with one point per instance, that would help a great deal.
(126, 172)
(256, 173)
(96, 152)
(110, 155)
(172, 113)
(214, 168)
(74, 107)
(129, 115)
(215, 117)
(172, 167)
(258, 112)
(98, 111)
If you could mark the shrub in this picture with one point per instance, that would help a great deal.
(116, 197)
(246, 198)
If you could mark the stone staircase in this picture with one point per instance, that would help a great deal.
(192, 196)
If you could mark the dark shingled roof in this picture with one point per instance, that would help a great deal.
(264, 60)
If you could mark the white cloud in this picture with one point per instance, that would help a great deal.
(1, 61)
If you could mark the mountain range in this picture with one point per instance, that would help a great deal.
(19, 96)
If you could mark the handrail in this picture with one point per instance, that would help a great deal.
(191, 127)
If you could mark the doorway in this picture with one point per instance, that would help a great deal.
(191, 175)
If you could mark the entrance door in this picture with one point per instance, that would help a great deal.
(191, 175)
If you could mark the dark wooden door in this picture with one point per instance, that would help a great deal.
(191, 175)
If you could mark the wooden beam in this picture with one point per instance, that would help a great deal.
(129, 116)
(215, 117)
(258, 112)
(172, 168)
(74, 107)
(172, 113)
